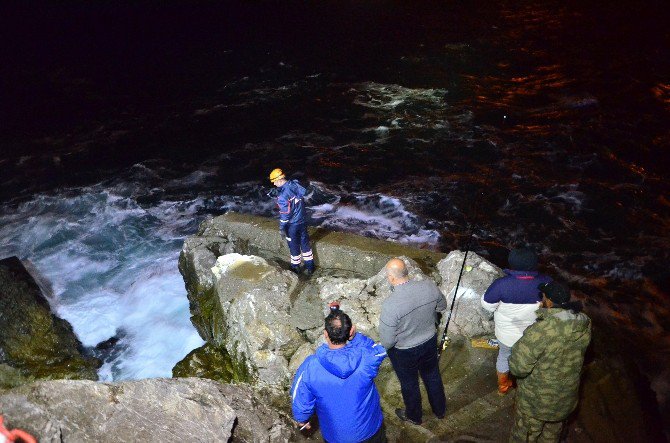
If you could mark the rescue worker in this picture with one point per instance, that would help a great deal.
(547, 363)
(513, 299)
(292, 220)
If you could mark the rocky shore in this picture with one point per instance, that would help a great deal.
(260, 321)
(34, 343)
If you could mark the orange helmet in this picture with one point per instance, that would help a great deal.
(276, 174)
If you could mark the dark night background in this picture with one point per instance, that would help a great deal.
(544, 123)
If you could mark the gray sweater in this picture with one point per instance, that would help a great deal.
(409, 314)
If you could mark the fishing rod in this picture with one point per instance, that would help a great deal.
(443, 343)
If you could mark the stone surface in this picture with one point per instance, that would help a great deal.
(212, 362)
(468, 318)
(246, 304)
(156, 410)
(254, 296)
(35, 343)
(332, 250)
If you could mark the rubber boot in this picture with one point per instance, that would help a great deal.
(504, 383)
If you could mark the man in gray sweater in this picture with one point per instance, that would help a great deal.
(407, 331)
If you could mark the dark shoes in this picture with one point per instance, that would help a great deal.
(309, 272)
(401, 415)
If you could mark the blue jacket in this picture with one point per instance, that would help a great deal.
(290, 202)
(339, 385)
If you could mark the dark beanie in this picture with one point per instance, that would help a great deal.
(558, 293)
(522, 259)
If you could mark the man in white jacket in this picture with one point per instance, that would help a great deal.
(513, 299)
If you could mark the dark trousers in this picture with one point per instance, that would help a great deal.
(377, 437)
(408, 364)
(299, 246)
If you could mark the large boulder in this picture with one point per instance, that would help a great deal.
(34, 342)
(247, 305)
(212, 362)
(468, 317)
(153, 410)
(254, 296)
(156, 410)
(248, 234)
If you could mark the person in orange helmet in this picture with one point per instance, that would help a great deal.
(292, 220)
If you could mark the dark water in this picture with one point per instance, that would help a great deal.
(541, 123)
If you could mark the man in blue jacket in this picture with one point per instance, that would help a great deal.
(292, 220)
(337, 383)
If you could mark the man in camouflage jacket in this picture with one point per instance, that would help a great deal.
(547, 362)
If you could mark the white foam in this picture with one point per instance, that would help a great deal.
(113, 263)
(113, 267)
(390, 96)
(230, 261)
(374, 215)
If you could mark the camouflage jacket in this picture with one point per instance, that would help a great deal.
(547, 362)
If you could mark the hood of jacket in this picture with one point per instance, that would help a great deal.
(340, 362)
(294, 187)
(573, 324)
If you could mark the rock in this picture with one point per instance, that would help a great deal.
(33, 341)
(196, 260)
(254, 296)
(468, 318)
(259, 419)
(247, 305)
(212, 362)
(154, 410)
(333, 250)
(300, 355)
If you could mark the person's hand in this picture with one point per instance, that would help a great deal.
(305, 426)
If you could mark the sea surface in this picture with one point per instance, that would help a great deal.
(522, 123)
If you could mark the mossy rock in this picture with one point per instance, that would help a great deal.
(33, 341)
(214, 363)
(11, 377)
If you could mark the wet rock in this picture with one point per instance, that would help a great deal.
(155, 410)
(254, 296)
(246, 304)
(108, 350)
(212, 362)
(332, 250)
(34, 342)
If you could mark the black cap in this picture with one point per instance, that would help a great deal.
(522, 259)
(556, 292)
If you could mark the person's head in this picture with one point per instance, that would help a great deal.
(555, 294)
(337, 327)
(396, 272)
(522, 259)
(277, 177)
